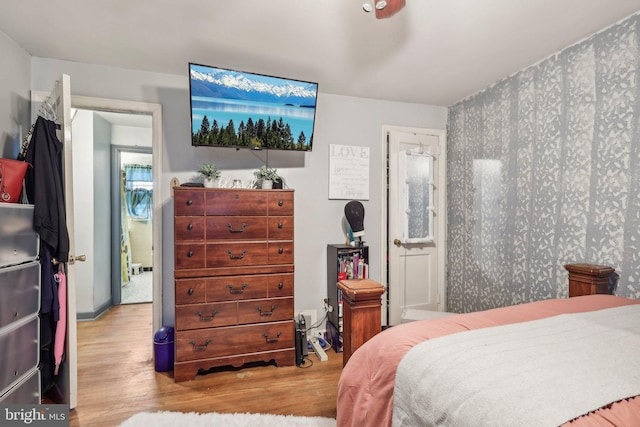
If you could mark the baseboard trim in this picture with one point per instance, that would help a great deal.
(93, 315)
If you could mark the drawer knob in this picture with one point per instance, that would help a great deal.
(237, 196)
(266, 313)
(232, 256)
(190, 227)
(272, 340)
(207, 318)
(280, 202)
(190, 291)
(199, 347)
(237, 230)
(236, 291)
(280, 250)
(280, 225)
(280, 285)
(189, 202)
(190, 254)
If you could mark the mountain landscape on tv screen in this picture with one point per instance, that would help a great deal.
(242, 86)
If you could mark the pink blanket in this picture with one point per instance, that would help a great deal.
(365, 389)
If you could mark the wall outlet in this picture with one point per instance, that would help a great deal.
(310, 317)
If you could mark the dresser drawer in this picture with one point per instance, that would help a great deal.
(265, 310)
(188, 202)
(189, 228)
(19, 242)
(19, 350)
(236, 254)
(200, 316)
(218, 342)
(233, 288)
(190, 291)
(280, 203)
(236, 202)
(281, 228)
(25, 391)
(280, 253)
(190, 255)
(280, 285)
(237, 227)
(19, 291)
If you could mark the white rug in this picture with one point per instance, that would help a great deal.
(192, 419)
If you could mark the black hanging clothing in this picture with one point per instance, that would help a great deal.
(49, 303)
(44, 187)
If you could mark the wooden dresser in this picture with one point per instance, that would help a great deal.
(233, 278)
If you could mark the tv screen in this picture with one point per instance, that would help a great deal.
(239, 109)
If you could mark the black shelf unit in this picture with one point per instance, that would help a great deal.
(337, 255)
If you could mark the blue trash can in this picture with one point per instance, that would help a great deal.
(163, 349)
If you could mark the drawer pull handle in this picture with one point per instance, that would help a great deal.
(199, 347)
(280, 250)
(236, 291)
(232, 230)
(266, 313)
(232, 256)
(190, 227)
(207, 318)
(189, 202)
(280, 225)
(280, 285)
(272, 340)
(190, 254)
(190, 291)
(280, 203)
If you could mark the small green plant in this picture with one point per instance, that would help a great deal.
(209, 171)
(266, 174)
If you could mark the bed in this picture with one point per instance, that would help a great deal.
(367, 384)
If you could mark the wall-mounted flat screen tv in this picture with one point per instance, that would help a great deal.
(246, 110)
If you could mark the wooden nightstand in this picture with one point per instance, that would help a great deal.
(588, 279)
(361, 313)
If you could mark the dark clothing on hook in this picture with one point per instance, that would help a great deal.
(44, 188)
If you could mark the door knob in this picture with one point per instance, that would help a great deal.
(397, 242)
(73, 258)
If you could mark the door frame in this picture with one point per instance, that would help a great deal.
(441, 221)
(155, 110)
(116, 223)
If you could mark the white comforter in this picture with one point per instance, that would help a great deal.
(539, 373)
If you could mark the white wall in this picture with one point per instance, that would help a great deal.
(339, 120)
(101, 211)
(131, 136)
(15, 110)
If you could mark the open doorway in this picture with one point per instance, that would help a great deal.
(132, 240)
(154, 111)
(101, 282)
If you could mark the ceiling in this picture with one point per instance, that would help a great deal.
(433, 52)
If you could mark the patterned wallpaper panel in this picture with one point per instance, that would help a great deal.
(544, 170)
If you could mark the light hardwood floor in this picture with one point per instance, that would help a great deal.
(117, 379)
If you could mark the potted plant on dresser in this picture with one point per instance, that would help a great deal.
(210, 174)
(266, 177)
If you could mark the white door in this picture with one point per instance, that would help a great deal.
(416, 222)
(67, 380)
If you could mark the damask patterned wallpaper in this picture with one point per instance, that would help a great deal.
(544, 170)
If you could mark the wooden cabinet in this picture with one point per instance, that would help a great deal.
(233, 278)
(362, 313)
(589, 279)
